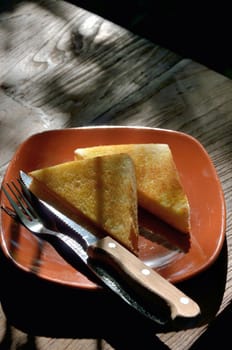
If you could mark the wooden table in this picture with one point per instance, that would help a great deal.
(61, 66)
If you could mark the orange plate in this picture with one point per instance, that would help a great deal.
(176, 256)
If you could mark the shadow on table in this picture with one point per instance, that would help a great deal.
(41, 308)
(154, 86)
(189, 29)
(201, 33)
(217, 333)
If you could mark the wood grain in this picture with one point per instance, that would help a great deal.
(61, 66)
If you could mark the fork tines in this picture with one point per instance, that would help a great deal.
(20, 198)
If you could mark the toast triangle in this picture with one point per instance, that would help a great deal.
(102, 189)
(160, 190)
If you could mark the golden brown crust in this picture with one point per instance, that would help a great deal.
(159, 187)
(103, 189)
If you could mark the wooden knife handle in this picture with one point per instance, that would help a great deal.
(111, 252)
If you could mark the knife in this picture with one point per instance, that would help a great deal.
(121, 271)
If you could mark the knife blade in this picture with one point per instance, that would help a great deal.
(122, 272)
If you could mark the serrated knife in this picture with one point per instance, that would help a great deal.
(121, 271)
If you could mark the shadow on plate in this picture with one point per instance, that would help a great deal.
(157, 231)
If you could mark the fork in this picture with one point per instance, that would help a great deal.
(23, 209)
(25, 213)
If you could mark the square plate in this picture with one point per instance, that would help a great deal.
(174, 255)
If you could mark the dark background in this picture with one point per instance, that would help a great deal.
(197, 30)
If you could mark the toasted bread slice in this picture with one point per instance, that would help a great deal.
(158, 182)
(102, 189)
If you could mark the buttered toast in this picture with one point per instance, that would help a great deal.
(102, 189)
(158, 182)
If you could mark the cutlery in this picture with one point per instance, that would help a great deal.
(120, 270)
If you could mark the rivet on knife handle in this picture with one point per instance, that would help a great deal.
(111, 251)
